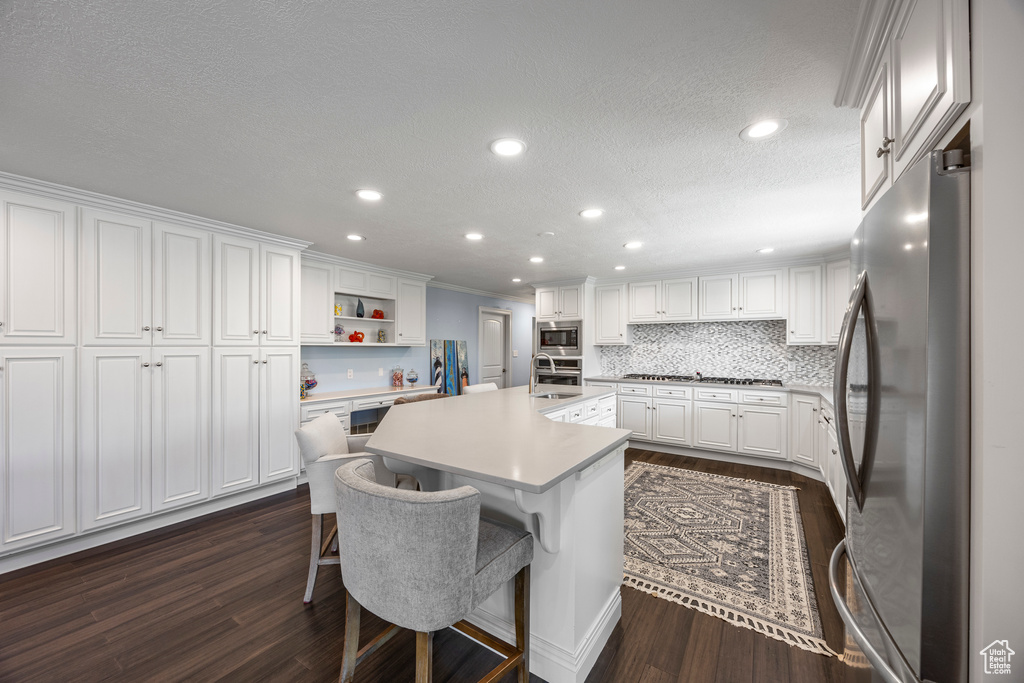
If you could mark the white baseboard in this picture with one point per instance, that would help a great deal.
(740, 459)
(92, 539)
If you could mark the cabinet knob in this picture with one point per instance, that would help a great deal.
(264, 331)
(255, 331)
(792, 332)
(399, 334)
(884, 149)
(145, 328)
(159, 365)
(264, 362)
(835, 452)
(255, 362)
(620, 334)
(159, 329)
(814, 410)
(1, 324)
(145, 365)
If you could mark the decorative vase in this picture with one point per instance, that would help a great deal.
(359, 309)
(412, 377)
(396, 376)
(382, 337)
(307, 380)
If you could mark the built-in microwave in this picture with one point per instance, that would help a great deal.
(561, 338)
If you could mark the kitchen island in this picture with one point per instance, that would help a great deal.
(561, 481)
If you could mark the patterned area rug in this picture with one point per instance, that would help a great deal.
(732, 548)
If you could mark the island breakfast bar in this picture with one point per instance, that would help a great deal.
(561, 481)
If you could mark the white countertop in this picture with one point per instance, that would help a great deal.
(497, 436)
(823, 390)
(360, 393)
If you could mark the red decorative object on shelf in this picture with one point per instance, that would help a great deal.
(377, 314)
(356, 337)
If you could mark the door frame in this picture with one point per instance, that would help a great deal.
(506, 342)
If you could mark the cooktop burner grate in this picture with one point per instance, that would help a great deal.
(709, 380)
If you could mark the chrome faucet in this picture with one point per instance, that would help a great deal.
(533, 367)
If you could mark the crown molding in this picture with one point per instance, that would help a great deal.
(875, 21)
(42, 188)
(480, 292)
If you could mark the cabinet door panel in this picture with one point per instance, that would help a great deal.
(181, 426)
(718, 297)
(644, 302)
(114, 431)
(410, 323)
(672, 422)
(804, 429)
(804, 319)
(37, 270)
(236, 419)
(634, 414)
(838, 286)
(761, 295)
(547, 304)
(874, 130)
(279, 414)
(317, 295)
(37, 450)
(116, 279)
(763, 432)
(609, 312)
(837, 475)
(351, 280)
(181, 285)
(570, 302)
(679, 299)
(714, 426)
(279, 296)
(236, 291)
(380, 285)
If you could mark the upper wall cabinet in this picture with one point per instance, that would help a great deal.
(559, 303)
(663, 301)
(255, 293)
(410, 318)
(804, 323)
(920, 86)
(761, 295)
(352, 280)
(719, 297)
(838, 284)
(317, 317)
(610, 326)
(38, 302)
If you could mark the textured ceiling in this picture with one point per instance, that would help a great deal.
(270, 114)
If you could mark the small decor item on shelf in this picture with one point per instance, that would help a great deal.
(396, 376)
(382, 337)
(412, 377)
(339, 333)
(377, 314)
(338, 309)
(356, 336)
(359, 309)
(307, 380)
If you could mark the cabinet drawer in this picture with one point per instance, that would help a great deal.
(315, 410)
(635, 389)
(606, 406)
(828, 413)
(607, 385)
(762, 398)
(591, 408)
(709, 394)
(378, 402)
(576, 414)
(673, 392)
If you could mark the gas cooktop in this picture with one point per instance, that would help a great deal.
(707, 380)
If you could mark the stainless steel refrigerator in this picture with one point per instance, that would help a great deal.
(902, 398)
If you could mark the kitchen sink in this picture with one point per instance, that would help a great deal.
(555, 395)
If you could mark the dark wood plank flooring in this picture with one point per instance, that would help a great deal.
(220, 598)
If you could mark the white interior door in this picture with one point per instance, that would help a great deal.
(493, 347)
(279, 413)
(236, 419)
(279, 294)
(181, 285)
(236, 291)
(114, 435)
(37, 270)
(181, 426)
(117, 286)
(37, 445)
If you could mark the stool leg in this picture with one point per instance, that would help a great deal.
(314, 555)
(424, 657)
(351, 649)
(522, 601)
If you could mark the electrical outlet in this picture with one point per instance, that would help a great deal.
(380, 372)
(792, 366)
(350, 373)
(515, 353)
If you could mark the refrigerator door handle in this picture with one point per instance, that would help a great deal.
(881, 666)
(860, 300)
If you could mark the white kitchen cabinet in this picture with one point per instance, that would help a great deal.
(557, 415)
(672, 300)
(761, 295)
(875, 136)
(235, 448)
(317, 294)
(115, 408)
(672, 421)
(763, 431)
(117, 294)
(411, 317)
(610, 326)
(838, 285)
(37, 451)
(279, 296)
(279, 414)
(719, 297)
(837, 475)
(354, 280)
(804, 324)
(236, 291)
(38, 263)
(180, 426)
(181, 285)
(803, 429)
(714, 426)
(634, 414)
(559, 303)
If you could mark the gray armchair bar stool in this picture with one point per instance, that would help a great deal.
(424, 561)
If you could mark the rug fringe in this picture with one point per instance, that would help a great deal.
(787, 636)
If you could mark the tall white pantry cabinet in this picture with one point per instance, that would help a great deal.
(121, 330)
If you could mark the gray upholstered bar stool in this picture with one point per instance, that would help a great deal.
(424, 561)
(324, 446)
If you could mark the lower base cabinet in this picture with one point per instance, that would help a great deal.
(635, 414)
(714, 426)
(673, 422)
(762, 431)
(37, 451)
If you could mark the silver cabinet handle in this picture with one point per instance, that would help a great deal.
(264, 331)
(255, 362)
(159, 329)
(814, 410)
(1, 324)
(884, 149)
(264, 362)
(145, 365)
(835, 452)
(255, 331)
(145, 328)
(159, 365)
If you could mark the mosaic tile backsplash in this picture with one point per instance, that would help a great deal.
(754, 348)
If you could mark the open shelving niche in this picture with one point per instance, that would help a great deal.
(367, 325)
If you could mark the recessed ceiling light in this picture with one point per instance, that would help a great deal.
(369, 195)
(592, 213)
(620, 267)
(474, 236)
(356, 238)
(508, 147)
(633, 245)
(516, 279)
(536, 259)
(766, 250)
(763, 129)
